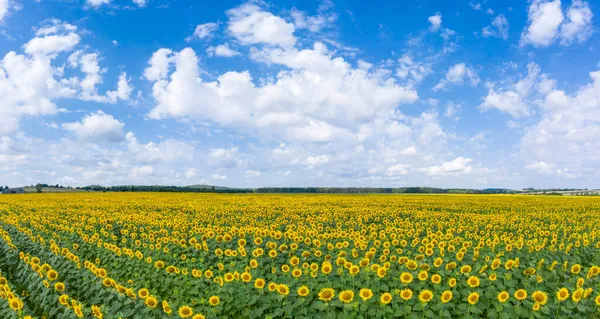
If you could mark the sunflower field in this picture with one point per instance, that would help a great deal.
(174, 255)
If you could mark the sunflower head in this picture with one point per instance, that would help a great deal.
(503, 296)
(346, 296)
(473, 298)
(365, 294)
(425, 296)
(214, 300)
(385, 298)
(446, 296)
(303, 291)
(326, 294)
(185, 312)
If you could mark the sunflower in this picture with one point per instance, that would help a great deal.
(493, 277)
(52, 275)
(198, 316)
(59, 286)
(96, 312)
(365, 294)
(185, 312)
(446, 296)
(436, 279)
(473, 298)
(326, 294)
(539, 297)
(575, 269)
(64, 300)
(381, 272)
(151, 302)
(283, 289)
(406, 278)
(303, 291)
(259, 283)
(577, 295)
(425, 296)
(354, 270)
(326, 268)
(465, 269)
(406, 294)
(166, 307)
(503, 296)
(346, 296)
(520, 294)
(296, 273)
(473, 282)
(272, 286)
(536, 306)
(228, 277)
(385, 298)
(214, 300)
(143, 293)
(246, 277)
(452, 282)
(423, 275)
(15, 304)
(597, 301)
(562, 294)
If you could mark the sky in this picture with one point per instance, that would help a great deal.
(471, 94)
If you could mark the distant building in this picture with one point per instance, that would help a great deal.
(16, 190)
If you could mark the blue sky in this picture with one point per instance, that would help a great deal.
(314, 93)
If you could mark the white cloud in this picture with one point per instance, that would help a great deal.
(251, 25)
(203, 31)
(457, 166)
(475, 5)
(218, 177)
(123, 89)
(412, 70)
(318, 98)
(220, 153)
(312, 23)
(541, 167)
(140, 3)
(513, 100)
(222, 50)
(158, 66)
(190, 173)
(397, 170)
(499, 28)
(97, 3)
(97, 126)
(568, 131)
(317, 160)
(252, 173)
(141, 171)
(544, 18)
(547, 23)
(436, 22)
(409, 151)
(4, 9)
(578, 25)
(53, 37)
(457, 75)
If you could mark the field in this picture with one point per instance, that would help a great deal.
(162, 255)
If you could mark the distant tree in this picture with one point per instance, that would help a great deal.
(38, 188)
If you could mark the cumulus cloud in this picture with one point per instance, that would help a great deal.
(53, 37)
(435, 21)
(457, 166)
(222, 50)
(140, 3)
(513, 100)
(547, 23)
(322, 20)
(97, 3)
(578, 25)
(568, 130)
(203, 31)
(97, 126)
(317, 98)
(412, 70)
(457, 75)
(249, 24)
(498, 28)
